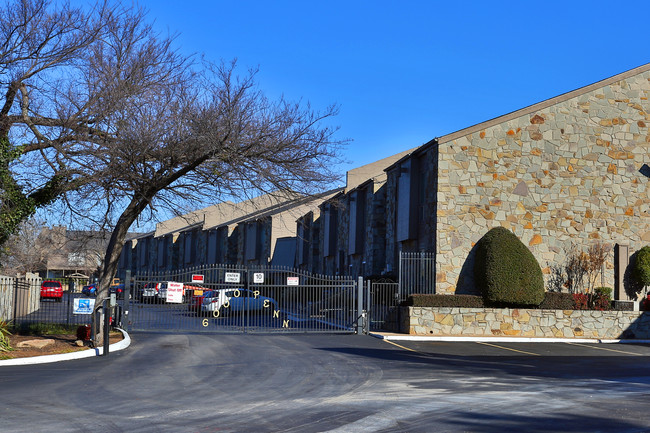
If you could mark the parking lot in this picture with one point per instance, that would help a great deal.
(346, 383)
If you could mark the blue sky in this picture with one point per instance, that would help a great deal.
(406, 72)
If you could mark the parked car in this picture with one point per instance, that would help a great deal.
(228, 301)
(118, 290)
(196, 299)
(51, 289)
(148, 292)
(89, 290)
(190, 292)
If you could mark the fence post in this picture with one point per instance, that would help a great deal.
(107, 329)
(69, 302)
(126, 301)
(368, 306)
(400, 278)
(360, 311)
(15, 301)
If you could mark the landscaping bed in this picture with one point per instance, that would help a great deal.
(47, 340)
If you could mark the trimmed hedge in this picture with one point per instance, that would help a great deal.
(557, 301)
(642, 266)
(552, 301)
(465, 301)
(506, 271)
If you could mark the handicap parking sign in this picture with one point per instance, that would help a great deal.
(83, 306)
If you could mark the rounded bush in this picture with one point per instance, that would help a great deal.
(506, 271)
(642, 266)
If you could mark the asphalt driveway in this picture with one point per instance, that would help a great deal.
(345, 383)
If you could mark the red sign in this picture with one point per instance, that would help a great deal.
(197, 278)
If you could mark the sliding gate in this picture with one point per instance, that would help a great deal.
(235, 299)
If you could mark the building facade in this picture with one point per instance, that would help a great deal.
(567, 172)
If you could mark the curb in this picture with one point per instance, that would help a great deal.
(504, 339)
(120, 345)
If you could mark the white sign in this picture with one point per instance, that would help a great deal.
(293, 281)
(83, 306)
(174, 293)
(258, 277)
(197, 278)
(233, 277)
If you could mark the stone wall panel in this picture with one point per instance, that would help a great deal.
(565, 175)
(470, 322)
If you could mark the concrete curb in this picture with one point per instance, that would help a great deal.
(396, 337)
(120, 345)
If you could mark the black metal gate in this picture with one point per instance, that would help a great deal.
(383, 300)
(234, 299)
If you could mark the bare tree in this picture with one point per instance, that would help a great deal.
(218, 138)
(65, 73)
(25, 251)
(115, 122)
(596, 258)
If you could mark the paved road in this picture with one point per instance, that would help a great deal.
(344, 383)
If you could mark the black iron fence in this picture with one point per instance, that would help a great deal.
(383, 300)
(222, 298)
(417, 273)
(22, 302)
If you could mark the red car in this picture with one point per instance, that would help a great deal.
(196, 300)
(52, 289)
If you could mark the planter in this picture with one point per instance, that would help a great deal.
(521, 322)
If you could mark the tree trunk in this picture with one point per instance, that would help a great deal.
(112, 258)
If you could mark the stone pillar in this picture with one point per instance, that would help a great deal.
(621, 260)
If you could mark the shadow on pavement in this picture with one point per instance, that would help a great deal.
(497, 423)
(624, 369)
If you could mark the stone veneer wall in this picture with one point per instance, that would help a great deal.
(392, 262)
(566, 174)
(439, 321)
(376, 229)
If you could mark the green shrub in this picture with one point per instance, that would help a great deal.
(464, 301)
(557, 301)
(642, 266)
(5, 345)
(599, 301)
(506, 271)
(604, 291)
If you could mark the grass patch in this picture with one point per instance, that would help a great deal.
(46, 329)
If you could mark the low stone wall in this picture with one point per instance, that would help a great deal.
(440, 321)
